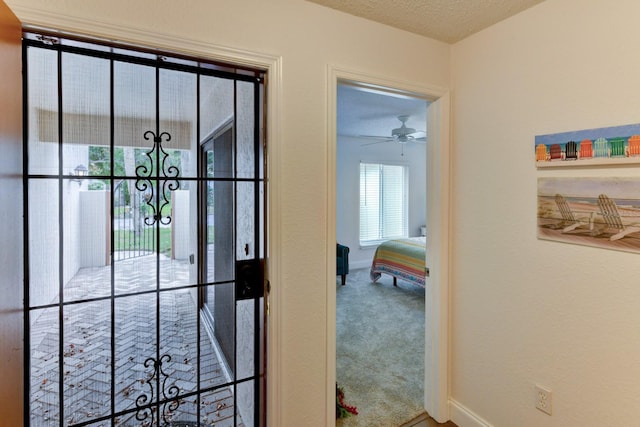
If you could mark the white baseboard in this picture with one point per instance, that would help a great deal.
(465, 417)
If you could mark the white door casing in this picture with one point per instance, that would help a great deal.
(436, 368)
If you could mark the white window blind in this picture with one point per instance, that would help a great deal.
(383, 202)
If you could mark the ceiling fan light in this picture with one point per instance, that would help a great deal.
(401, 135)
(402, 131)
(403, 139)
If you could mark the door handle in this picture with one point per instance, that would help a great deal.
(249, 279)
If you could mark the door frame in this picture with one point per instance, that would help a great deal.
(11, 220)
(436, 399)
(272, 65)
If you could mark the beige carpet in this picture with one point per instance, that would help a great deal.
(380, 349)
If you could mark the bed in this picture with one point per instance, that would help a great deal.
(402, 259)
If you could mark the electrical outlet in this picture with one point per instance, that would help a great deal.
(543, 399)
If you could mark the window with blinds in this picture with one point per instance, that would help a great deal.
(383, 202)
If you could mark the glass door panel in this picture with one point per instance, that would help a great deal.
(218, 266)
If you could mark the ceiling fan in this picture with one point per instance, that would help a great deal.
(401, 135)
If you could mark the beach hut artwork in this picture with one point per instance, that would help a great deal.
(601, 212)
(602, 146)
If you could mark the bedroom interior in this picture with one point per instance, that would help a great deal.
(380, 318)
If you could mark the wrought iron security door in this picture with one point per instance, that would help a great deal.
(144, 190)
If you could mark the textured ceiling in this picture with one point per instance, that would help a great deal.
(368, 112)
(445, 20)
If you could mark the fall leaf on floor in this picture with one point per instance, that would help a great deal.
(127, 391)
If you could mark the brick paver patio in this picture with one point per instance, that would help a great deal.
(87, 345)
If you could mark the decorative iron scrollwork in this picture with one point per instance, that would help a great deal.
(160, 173)
(167, 395)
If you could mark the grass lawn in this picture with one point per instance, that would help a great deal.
(125, 240)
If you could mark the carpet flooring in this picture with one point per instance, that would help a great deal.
(380, 349)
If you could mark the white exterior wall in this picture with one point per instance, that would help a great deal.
(94, 217)
(181, 224)
(527, 311)
(44, 230)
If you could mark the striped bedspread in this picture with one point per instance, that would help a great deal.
(401, 258)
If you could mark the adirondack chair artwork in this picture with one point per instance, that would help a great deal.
(601, 146)
(569, 220)
(571, 151)
(613, 220)
(586, 149)
(616, 146)
(634, 146)
(602, 212)
(555, 152)
(541, 153)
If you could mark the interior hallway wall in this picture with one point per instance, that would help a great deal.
(309, 38)
(528, 311)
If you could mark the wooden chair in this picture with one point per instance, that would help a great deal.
(571, 151)
(634, 146)
(569, 220)
(601, 148)
(616, 146)
(555, 152)
(541, 153)
(586, 149)
(613, 219)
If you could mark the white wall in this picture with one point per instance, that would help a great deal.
(528, 311)
(44, 232)
(349, 155)
(182, 225)
(308, 38)
(93, 216)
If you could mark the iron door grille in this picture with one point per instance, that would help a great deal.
(116, 286)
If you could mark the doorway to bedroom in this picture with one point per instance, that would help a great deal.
(380, 196)
(388, 179)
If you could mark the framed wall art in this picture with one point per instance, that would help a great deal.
(602, 146)
(601, 212)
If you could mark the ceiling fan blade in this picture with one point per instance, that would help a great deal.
(377, 142)
(373, 137)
